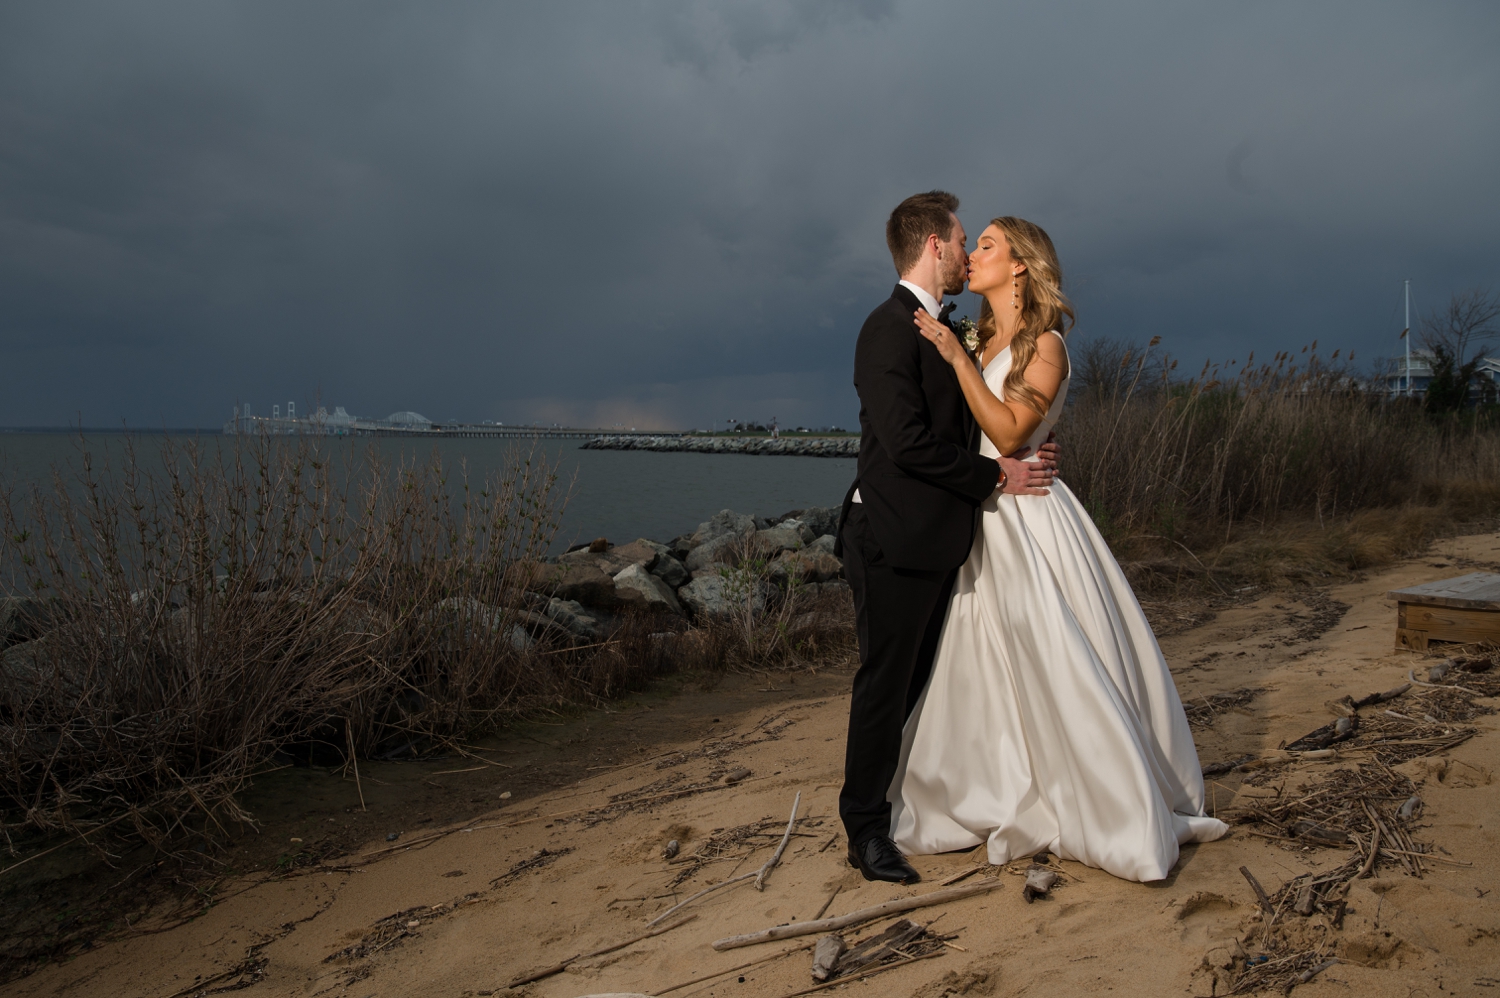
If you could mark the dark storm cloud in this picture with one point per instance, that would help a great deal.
(670, 214)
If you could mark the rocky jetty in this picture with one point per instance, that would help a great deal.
(791, 446)
(733, 560)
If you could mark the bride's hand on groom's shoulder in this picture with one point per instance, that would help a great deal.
(941, 337)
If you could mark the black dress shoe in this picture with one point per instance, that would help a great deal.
(879, 859)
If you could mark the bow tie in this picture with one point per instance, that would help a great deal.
(946, 310)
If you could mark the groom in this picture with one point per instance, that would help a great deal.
(909, 519)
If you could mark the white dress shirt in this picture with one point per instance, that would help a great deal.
(933, 307)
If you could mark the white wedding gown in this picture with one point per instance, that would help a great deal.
(1050, 721)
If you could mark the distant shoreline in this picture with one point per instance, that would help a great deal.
(847, 446)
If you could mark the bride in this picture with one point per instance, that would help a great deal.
(1050, 721)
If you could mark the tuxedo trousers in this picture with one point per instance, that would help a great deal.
(899, 617)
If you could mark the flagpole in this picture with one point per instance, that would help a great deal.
(1406, 335)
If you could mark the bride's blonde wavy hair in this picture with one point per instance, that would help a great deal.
(1043, 305)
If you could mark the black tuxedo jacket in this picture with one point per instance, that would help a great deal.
(919, 478)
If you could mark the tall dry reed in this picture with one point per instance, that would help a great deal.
(253, 597)
(1155, 456)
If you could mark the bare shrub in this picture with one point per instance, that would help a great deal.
(1160, 460)
(253, 597)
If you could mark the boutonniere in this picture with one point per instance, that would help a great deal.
(968, 334)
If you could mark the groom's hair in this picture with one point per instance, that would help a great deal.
(914, 219)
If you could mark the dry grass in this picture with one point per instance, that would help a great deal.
(1272, 475)
(254, 600)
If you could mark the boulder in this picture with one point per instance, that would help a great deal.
(809, 566)
(23, 618)
(804, 532)
(520, 639)
(821, 520)
(671, 571)
(680, 546)
(725, 522)
(583, 582)
(778, 539)
(713, 552)
(612, 561)
(823, 544)
(716, 596)
(572, 617)
(655, 591)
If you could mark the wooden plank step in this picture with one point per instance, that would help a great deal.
(1475, 591)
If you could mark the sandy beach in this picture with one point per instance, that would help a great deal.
(466, 908)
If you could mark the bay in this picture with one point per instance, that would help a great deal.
(619, 495)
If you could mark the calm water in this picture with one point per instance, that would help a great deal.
(620, 495)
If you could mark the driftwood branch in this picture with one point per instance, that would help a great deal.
(707, 890)
(1260, 892)
(760, 876)
(558, 968)
(742, 966)
(1411, 676)
(863, 973)
(856, 917)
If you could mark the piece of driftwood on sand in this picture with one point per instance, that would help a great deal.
(861, 974)
(559, 967)
(736, 967)
(855, 917)
(759, 876)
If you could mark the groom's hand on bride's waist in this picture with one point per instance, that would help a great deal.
(1029, 478)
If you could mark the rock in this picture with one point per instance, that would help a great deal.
(518, 625)
(23, 618)
(723, 523)
(761, 523)
(671, 849)
(719, 550)
(824, 543)
(572, 617)
(671, 571)
(803, 530)
(715, 596)
(809, 565)
(598, 545)
(610, 562)
(778, 539)
(655, 591)
(680, 546)
(28, 661)
(823, 521)
(585, 583)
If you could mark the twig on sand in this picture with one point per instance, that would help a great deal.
(1308, 975)
(963, 875)
(765, 871)
(826, 904)
(77, 838)
(349, 737)
(862, 973)
(558, 968)
(743, 966)
(706, 890)
(1260, 893)
(1411, 676)
(1364, 871)
(855, 917)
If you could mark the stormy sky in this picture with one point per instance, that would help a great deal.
(669, 214)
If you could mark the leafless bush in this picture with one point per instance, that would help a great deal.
(1153, 457)
(252, 598)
